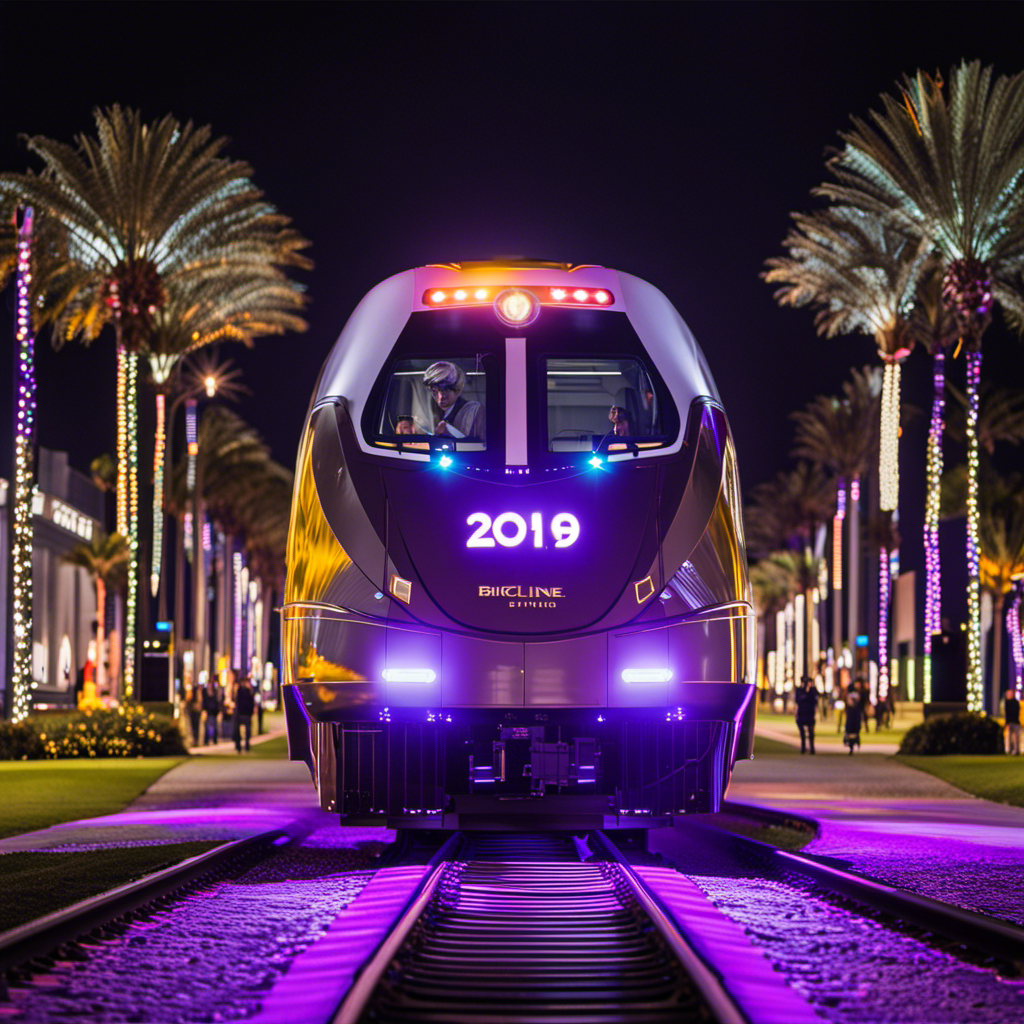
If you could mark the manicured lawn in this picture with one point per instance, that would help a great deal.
(827, 729)
(37, 794)
(764, 745)
(272, 750)
(35, 884)
(996, 777)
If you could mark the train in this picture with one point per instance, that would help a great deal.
(517, 593)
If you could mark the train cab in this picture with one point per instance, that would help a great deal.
(517, 591)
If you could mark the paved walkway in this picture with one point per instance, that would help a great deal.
(826, 740)
(899, 825)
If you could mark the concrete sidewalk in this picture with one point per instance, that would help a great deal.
(899, 825)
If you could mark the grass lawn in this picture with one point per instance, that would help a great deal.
(827, 729)
(271, 750)
(37, 794)
(35, 884)
(995, 777)
(764, 745)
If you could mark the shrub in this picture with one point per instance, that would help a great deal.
(19, 741)
(127, 731)
(954, 734)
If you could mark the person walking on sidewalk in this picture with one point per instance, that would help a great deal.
(1012, 723)
(244, 707)
(211, 705)
(194, 703)
(854, 717)
(806, 713)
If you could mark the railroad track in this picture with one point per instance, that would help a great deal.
(509, 929)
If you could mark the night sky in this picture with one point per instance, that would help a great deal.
(670, 141)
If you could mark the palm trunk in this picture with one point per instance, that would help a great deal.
(998, 602)
(975, 681)
(853, 576)
(101, 633)
(884, 583)
(132, 448)
(199, 574)
(837, 570)
(159, 446)
(932, 559)
(889, 440)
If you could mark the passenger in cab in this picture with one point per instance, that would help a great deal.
(459, 418)
(405, 425)
(622, 425)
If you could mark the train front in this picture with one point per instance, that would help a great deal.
(517, 589)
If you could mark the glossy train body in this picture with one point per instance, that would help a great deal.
(517, 589)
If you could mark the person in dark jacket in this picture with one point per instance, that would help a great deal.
(211, 706)
(194, 703)
(1012, 707)
(245, 704)
(806, 713)
(854, 717)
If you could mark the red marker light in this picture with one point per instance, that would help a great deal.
(580, 295)
(601, 296)
(558, 294)
(480, 293)
(437, 297)
(461, 294)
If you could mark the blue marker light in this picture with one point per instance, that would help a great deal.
(445, 461)
(595, 462)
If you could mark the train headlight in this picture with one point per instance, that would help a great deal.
(646, 675)
(595, 462)
(445, 461)
(516, 307)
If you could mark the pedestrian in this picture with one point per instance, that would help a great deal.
(194, 704)
(257, 693)
(244, 706)
(1012, 707)
(211, 708)
(806, 713)
(854, 717)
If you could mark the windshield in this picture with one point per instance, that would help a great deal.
(593, 400)
(436, 396)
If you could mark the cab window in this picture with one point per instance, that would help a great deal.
(594, 401)
(444, 397)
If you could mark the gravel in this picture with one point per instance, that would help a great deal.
(213, 954)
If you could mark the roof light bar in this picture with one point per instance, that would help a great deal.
(553, 296)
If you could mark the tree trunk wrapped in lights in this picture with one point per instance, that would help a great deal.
(933, 562)
(18, 692)
(1014, 629)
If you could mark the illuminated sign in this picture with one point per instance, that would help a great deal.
(510, 529)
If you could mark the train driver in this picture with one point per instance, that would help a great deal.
(620, 421)
(459, 418)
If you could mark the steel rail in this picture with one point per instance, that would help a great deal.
(707, 980)
(43, 935)
(983, 933)
(369, 977)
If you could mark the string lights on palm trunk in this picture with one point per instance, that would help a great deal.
(932, 559)
(975, 683)
(889, 439)
(20, 502)
(131, 405)
(1013, 627)
(158, 496)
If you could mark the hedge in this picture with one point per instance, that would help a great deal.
(954, 734)
(126, 731)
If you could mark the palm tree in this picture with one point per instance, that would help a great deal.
(948, 171)
(860, 273)
(139, 214)
(105, 559)
(840, 434)
(775, 582)
(240, 306)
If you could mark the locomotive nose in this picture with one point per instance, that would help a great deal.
(541, 558)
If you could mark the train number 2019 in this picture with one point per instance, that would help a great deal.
(510, 529)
